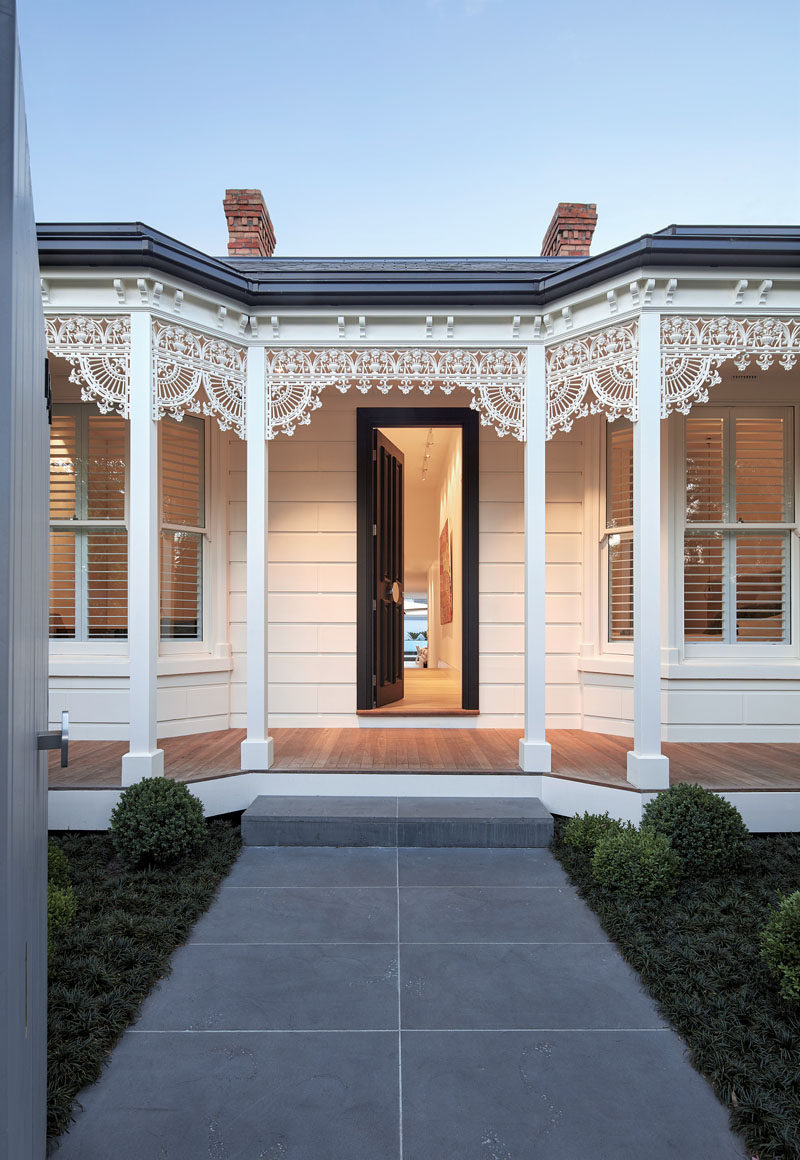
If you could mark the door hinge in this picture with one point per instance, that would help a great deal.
(374, 605)
(374, 529)
(374, 680)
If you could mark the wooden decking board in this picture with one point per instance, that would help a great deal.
(592, 757)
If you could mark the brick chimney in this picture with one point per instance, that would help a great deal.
(250, 232)
(569, 234)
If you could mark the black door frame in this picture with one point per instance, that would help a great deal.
(367, 419)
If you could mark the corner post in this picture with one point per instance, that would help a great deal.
(534, 751)
(648, 768)
(257, 748)
(144, 758)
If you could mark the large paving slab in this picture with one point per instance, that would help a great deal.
(399, 1004)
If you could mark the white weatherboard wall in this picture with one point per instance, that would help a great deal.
(312, 574)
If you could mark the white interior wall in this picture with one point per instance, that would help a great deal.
(450, 509)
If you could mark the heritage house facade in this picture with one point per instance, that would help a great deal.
(552, 495)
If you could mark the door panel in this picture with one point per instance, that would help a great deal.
(23, 634)
(388, 472)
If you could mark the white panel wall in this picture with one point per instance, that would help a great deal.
(98, 706)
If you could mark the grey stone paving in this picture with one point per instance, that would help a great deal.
(411, 1004)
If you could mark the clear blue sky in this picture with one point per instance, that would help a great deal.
(413, 126)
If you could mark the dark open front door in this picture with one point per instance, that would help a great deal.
(388, 569)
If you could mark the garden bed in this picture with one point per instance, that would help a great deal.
(126, 926)
(698, 953)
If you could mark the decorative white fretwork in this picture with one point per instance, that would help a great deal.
(693, 349)
(187, 365)
(99, 352)
(591, 375)
(495, 379)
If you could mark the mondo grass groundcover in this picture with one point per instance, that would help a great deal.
(127, 924)
(699, 956)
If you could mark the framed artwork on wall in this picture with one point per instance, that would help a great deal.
(445, 575)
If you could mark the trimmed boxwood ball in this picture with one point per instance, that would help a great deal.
(57, 866)
(157, 821)
(780, 946)
(706, 831)
(584, 831)
(61, 907)
(636, 864)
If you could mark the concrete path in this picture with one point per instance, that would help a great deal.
(383, 1004)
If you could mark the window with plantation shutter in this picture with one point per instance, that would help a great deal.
(88, 536)
(739, 517)
(182, 528)
(619, 530)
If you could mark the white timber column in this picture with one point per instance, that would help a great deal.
(647, 766)
(534, 750)
(144, 758)
(257, 748)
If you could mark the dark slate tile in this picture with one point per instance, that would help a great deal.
(305, 914)
(313, 866)
(262, 988)
(495, 914)
(480, 868)
(242, 1097)
(322, 807)
(473, 822)
(355, 831)
(560, 1095)
(486, 809)
(517, 986)
(464, 833)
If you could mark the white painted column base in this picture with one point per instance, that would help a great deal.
(257, 754)
(648, 771)
(534, 756)
(136, 766)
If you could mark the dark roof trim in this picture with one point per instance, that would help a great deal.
(281, 283)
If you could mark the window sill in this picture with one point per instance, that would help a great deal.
(705, 668)
(621, 665)
(106, 666)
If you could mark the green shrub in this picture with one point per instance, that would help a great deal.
(636, 864)
(780, 946)
(57, 866)
(156, 822)
(61, 907)
(706, 831)
(584, 831)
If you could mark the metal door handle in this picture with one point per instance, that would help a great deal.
(57, 739)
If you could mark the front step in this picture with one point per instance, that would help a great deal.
(390, 821)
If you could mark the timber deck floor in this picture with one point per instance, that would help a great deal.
(593, 757)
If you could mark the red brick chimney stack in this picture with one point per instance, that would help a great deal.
(250, 232)
(569, 234)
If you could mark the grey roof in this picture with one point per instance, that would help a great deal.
(532, 282)
(460, 265)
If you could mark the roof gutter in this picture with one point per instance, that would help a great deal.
(137, 246)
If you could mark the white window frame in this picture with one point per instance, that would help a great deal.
(185, 646)
(81, 645)
(732, 649)
(614, 647)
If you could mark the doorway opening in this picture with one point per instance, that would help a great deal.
(417, 561)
